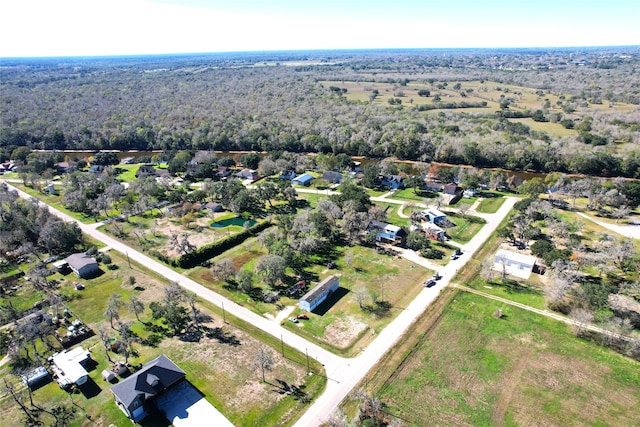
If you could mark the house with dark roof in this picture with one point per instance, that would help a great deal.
(304, 179)
(96, 168)
(287, 175)
(145, 170)
(332, 177)
(83, 265)
(66, 167)
(136, 394)
(319, 293)
(214, 207)
(393, 181)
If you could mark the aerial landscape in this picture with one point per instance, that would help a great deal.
(293, 226)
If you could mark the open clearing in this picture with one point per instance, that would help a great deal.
(470, 368)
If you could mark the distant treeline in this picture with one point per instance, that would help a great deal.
(182, 103)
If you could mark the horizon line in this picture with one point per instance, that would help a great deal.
(326, 50)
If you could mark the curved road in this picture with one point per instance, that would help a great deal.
(343, 374)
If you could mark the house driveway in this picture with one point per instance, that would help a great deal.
(184, 406)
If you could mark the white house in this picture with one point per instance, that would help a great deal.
(319, 294)
(514, 263)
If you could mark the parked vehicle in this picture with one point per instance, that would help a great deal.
(436, 276)
(293, 319)
(302, 316)
(430, 283)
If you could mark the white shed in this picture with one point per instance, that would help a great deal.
(108, 375)
(514, 263)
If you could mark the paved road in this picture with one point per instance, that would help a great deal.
(343, 374)
(632, 231)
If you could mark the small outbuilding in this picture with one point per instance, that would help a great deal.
(83, 265)
(319, 294)
(514, 263)
(108, 375)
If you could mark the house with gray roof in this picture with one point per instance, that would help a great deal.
(83, 265)
(136, 394)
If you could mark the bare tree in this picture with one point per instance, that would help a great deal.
(105, 339)
(582, 317)
(360, 296)
(114, 303)
(223, 270)
(264, 360)
(136, 306)
(487, 271)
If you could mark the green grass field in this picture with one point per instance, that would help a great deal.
(471, 368)
(490, 205)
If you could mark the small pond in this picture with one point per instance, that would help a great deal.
(233, 221)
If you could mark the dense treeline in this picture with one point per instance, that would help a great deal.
(204, 103)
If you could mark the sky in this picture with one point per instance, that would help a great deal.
(132, 27)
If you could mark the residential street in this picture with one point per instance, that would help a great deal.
(343, 374)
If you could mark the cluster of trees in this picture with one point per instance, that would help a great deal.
(590, 280)
(305, 237)
(284, 108)
(30, 229)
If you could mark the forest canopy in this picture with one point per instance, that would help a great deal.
(283, 102)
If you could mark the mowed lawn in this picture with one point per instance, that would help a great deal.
(340, 325)
(524, 369)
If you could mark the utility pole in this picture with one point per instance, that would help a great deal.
(308, 369)
(282, 344)
(224, 318)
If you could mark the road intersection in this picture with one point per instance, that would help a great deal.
(343, 373)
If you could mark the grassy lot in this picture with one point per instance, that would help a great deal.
(410, 195)
(459, 365)
(340, 325)
(221, 366)
(126, 173)
(392, 214)
(465, 228)
(490, 205)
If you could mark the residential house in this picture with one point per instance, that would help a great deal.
(96, 168)
(514, 263)
(451, 188)
(287, 175)
(83, 265)
(66, 167)
(432, 186)
(9, 166)
(319, 293)
(145, 170)
(393, 181)
(303, 180)
(214, 207)
(136, 394)
(223, 172)
(469, 193)
(434, 232)
(332, 177)
(247, 173)
(387, 232)
(434, 216)
(69, 367)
